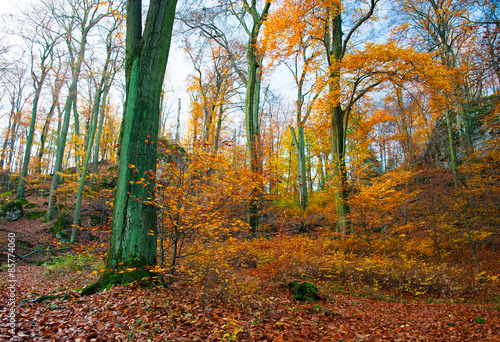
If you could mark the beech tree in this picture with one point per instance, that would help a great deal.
(15, 82)
(101, 89)
(82, 17)
(250, 15)
(299, 46)
(60, 70)
(323, 22)
(212, 89)
(41, 45)
(133, 244)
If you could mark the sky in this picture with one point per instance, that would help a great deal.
(178, 67)
(178, 70)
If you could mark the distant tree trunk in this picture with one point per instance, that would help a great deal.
(89, 19)
(133, 238)
(76, 121)
(101, 89)
(61, 140)
(178, 125)
(102, 113)
(45, 131)
(38, 83)
(15, 89)
(218, 127)
(298, 140)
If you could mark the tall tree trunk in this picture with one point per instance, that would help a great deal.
(61, 139)
(252, 100)
(298, 140)
(339, 169)
(102, 113)
(31, 132)
(46, 126)
(76, 120)
(101, 89)
(87, 20)
(133, 238)
(334, 49)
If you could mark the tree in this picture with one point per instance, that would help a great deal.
(322, 21)
(300, 47)
(59, 80)
(133, 239)
(83, 16)
(101, 89)
(46, 40)
(212, 89)
(443, 27)
(251, 16)
(15, 85)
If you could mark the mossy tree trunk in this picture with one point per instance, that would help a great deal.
(133, 239)
(335, 44)
(335, 53)
(252, 101)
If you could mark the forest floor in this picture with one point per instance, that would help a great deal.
(184, 313)
(49, 307)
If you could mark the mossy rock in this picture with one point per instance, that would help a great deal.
(305, 292)
(12, 211)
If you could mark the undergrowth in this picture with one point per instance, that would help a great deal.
(70, 264)
(250, 268)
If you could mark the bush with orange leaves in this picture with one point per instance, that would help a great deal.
(201, 201)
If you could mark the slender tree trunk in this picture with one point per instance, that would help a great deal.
(6, 143)
(61, 140)
(218, 127)
(298, 140)
(31, 133)
(451, 146)
(45, 132)
(77, 133)
(178, 125)
(100, 89)
(102, 113)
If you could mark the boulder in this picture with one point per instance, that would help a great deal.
(12, 211)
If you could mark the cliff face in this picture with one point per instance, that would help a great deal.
(485, 130)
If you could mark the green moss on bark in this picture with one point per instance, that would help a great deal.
(109, 279)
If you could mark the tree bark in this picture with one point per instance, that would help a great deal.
(133, 239)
